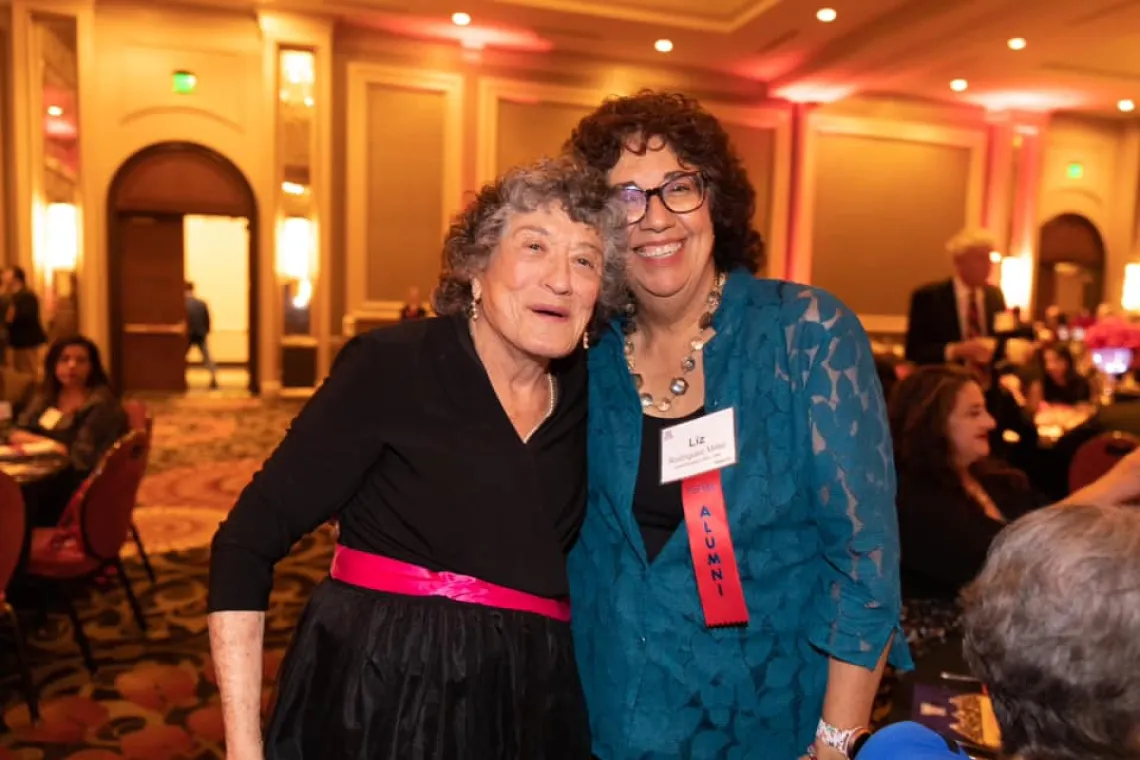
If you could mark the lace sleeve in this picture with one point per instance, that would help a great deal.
(853, 479)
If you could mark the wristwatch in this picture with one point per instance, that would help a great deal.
(846, 741)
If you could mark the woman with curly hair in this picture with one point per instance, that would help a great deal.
(452, 451)
(735, 585)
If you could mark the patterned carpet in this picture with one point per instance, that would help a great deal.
(153, 696)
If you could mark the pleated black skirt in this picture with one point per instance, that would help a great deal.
(376, 676)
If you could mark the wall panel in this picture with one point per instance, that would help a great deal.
(403, 170)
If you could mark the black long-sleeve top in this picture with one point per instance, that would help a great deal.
(945, 535)
(407, 443)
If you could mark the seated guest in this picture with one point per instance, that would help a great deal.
(953, 497)
(1052, 628)
(76, 413)
(1060, 381)
(953, 320)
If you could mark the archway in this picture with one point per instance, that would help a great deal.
(149, 200)
(1070, 266)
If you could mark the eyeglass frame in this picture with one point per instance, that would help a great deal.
(658, 191)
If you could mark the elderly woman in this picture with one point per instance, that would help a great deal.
(736, 582)
(452, 450)
(75, 413)
(1053, 630)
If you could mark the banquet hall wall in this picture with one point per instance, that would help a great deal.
(858, 196)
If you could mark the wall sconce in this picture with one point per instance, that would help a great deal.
(1017, 281)
(58, 247)
(296, 256)
(1130, 297)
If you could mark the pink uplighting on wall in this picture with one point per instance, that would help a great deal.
(1037, 102)
(473, 37)
(813, 93)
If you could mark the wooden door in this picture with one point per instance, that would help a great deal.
(153, 339)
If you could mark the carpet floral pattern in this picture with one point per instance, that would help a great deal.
(154, 696)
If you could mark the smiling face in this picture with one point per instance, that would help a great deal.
(538, 291)
(968, 426)
(670, 253)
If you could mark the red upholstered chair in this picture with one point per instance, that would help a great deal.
(14, 519)
(140, 419)
(92, 531)
(1097, 456)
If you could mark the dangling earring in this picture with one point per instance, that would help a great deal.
(473, 309)
(586, 340)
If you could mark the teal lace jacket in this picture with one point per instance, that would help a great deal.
(811, 506)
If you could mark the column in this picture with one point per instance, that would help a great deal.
(1012, 179)
(50, 42)
(801, 206)
(298, 56)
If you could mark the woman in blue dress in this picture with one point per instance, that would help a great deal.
(735, 586)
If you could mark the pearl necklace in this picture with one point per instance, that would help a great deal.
(678, 386)
(549, 409)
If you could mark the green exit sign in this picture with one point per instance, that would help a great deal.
(183, 82)
(1076, 170)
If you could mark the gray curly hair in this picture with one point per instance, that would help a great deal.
(1052, 627)
(475, 233)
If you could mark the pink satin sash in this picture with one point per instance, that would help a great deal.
(373, 571)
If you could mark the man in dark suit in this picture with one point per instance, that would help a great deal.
(953, 320)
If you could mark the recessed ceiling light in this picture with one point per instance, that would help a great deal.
(663, 46)
(1126, 105)
(55, 111)
(460, 19)
(826, 15)
(1016, 43)
(959, 85)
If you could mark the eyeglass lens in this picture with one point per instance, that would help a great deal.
(680, 195)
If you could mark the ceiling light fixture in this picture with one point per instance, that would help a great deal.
(460, 19)
(1016, 43)
(959, 85)
(826, 15)
(55, 111)
(663, 46)
(1126, 105)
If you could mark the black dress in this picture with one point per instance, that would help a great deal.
(407, 444)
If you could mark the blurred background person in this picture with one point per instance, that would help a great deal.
(22, 317)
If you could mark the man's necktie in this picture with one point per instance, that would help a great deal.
(973, 318)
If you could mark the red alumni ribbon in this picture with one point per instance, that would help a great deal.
(718, 579)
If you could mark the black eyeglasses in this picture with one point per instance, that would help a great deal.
(683, 194)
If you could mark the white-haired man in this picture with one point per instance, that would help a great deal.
(952, 320)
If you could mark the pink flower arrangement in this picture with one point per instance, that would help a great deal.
(1113, 332)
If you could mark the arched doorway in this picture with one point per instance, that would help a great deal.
(149, 201)
(1070, 266)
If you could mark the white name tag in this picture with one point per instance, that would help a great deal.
(50, 418)
(698, 446)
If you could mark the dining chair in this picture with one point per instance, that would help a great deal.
(87, 542)
(13, 516)
(1098, 455)
(140, 419)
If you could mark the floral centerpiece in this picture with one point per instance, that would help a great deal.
(1112, 341)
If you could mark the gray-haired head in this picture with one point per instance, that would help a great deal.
(1052, 627)
(476, 232)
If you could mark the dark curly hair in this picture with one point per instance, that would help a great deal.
(631, 122)
(476, 231)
